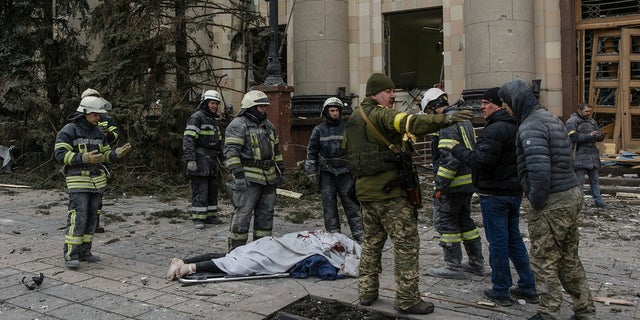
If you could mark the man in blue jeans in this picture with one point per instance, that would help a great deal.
(494, 175)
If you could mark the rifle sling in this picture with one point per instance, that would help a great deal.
(384, 140)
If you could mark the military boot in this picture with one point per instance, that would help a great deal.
(453, 263)
(475, 264)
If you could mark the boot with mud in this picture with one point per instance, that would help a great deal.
(453, 262)
(475, 264)
(422, 307)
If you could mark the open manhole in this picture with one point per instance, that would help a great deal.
(316, 308)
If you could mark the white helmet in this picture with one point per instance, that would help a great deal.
(331, 102)
(211, 95)
(254, 98)
(93, 104)
(90, 93)
(434, 98)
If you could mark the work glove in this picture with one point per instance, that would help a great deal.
(192, 165)
(122, 151)
(459, 116)
(93, 157)
(240, 184)
(239, 181)
(599, 136)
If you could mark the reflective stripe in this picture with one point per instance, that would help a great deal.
(199, 215)
(447, 143)
(191, 134)
(572, 132)
(72, 240)
(261, 233)
(234, 140)
(446, 173)
(460, 180)
(85, 181)
(199, 209)
(239, 236)
(233, 161)
(450, 237)
(87, 238)
(470, 235)
(465, 137)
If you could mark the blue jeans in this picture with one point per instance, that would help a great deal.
(501, 217)
(594, 183)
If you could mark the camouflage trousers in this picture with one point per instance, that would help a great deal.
(393, 218)
(554, 252)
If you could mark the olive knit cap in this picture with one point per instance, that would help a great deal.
(378, 82)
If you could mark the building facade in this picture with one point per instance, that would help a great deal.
(571, 51)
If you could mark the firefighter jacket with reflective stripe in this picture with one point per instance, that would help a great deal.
(324, 151)
(202, 142)
(452, 175)
(76, 138)
(369, 156)
(252, 148)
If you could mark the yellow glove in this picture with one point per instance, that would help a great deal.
(93, 157)
(122, 151)
(460, 116)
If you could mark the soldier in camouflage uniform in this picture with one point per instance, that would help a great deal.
(387, 214)
(545, 171)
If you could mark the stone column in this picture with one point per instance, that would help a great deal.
(279, 113)
(499, 41)
(321, 46)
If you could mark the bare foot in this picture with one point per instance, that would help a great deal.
(174, 269)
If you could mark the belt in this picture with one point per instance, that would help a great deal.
(262, 164)
(209, 152)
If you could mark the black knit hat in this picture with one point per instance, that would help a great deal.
(492, 96)
(378, 82)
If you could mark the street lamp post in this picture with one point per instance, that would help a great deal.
(274, 74)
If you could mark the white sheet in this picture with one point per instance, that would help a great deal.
(271, 255)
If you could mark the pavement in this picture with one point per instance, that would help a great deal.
(141, 238)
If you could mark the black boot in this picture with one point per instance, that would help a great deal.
(235, 243)
(453, 262)
(476, 260)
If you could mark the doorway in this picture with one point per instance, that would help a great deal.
(613, 83)
(413, 47)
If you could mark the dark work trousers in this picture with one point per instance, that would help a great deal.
(82, 216)
(332, 187)
(204, 197)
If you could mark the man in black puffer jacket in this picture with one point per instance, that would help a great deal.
(545, 171)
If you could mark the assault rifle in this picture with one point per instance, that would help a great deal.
(407, 179)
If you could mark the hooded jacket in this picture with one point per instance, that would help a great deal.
(543, 148)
